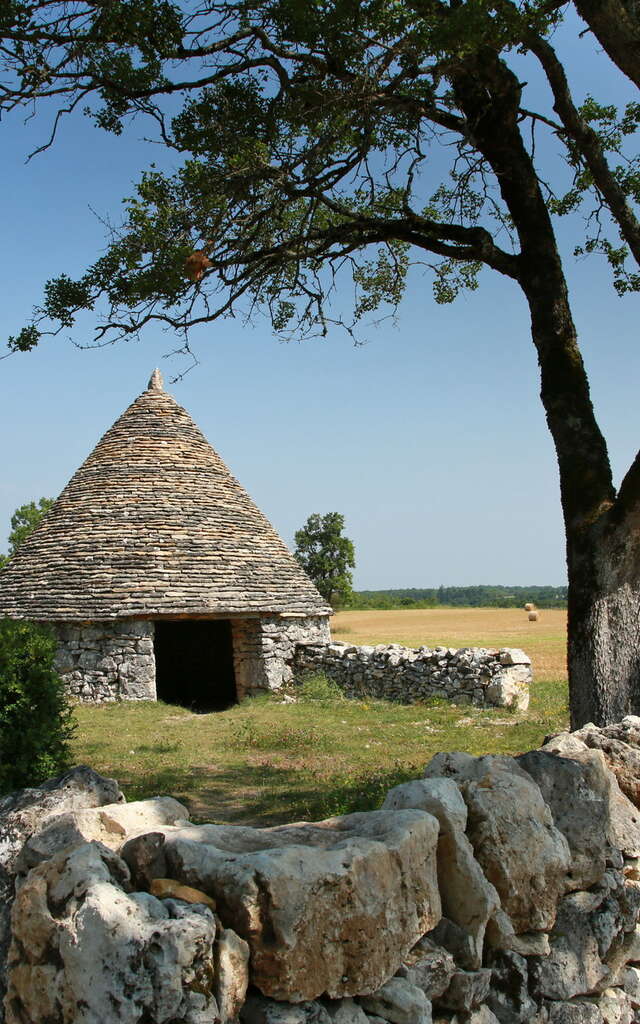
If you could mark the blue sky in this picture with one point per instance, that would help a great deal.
(430, 438)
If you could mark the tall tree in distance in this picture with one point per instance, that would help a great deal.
(327, 556)
(23, 521)
(329, 143)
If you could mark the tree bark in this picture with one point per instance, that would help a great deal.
(602, 529)
(616, 26)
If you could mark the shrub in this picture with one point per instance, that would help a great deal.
(36, 719)
(319, 687)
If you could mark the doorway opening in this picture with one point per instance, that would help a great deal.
(194, 664)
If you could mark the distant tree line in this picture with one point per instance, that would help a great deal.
(482, 596)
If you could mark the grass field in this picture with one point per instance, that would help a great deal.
(264, 762)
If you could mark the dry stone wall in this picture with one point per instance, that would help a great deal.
(107, 661)
(467, 676)
(264, 649)
(492, 890)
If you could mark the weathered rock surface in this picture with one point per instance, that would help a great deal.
(514, 838)
(577, 1012)
(231, 974)
(260, 1009)
(615, 1007)
(467, 990)
(328, 907)
(574, 966)
(440, 797)
(399, 1002)
(345, 1011)
(428, 967)
(86, 951)
(26, 812)
(509, 996)
(468, 899)
(576, 793)
(623, 828)
(620, 744)
(109, 825)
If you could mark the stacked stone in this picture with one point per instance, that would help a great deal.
(264, 648)
(493, 890)
(107, 661)
(479, 675)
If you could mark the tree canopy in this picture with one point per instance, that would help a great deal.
(23, 521)
(327, 556)
(314, 142)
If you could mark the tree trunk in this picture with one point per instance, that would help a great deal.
(616, 25)
(604, 622)
(602, 528)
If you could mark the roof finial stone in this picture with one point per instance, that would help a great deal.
(155, 381)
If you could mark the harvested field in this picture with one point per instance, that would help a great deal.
(544, 641)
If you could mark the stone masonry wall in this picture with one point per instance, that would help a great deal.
(264, 649)
(489, 890)
(467, 676)
(107, 661)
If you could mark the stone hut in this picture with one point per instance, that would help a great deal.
(160, 575)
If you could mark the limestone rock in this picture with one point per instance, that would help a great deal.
(467, 990)
(85, 949)
(499, 932)
(615, 1007)
(482, 1015)
(574, 966)
(428, 967)
(329, 907)
(623, 829)
(25, 812)
(345, 1011)
(510, 688)
(576, 793)
(511, 829)
(631, 985)
(110, 825)
(262, 1010)
(620, 744)
(231, 955)
(509, 997)
(468, 899)
(577, 1012)
(456, 940)
(440, 797)
(399, 1002)
(145, 858)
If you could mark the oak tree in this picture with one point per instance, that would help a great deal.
(327, 556)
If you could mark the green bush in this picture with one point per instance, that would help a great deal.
(36, 719)
(319, 687)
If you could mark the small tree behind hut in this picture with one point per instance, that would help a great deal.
(327, 556)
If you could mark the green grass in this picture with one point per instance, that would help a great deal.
(264, 762)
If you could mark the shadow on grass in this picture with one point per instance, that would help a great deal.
(268, 794)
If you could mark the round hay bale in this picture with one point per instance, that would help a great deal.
(529, 607)
(533, 616)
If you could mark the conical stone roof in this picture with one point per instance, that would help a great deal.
(153, 524)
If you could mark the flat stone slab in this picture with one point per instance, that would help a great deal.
(328, 907)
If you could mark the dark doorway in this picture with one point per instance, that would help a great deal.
(194, 664)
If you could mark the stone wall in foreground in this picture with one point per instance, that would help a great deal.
(471, 675)
(491, 890)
